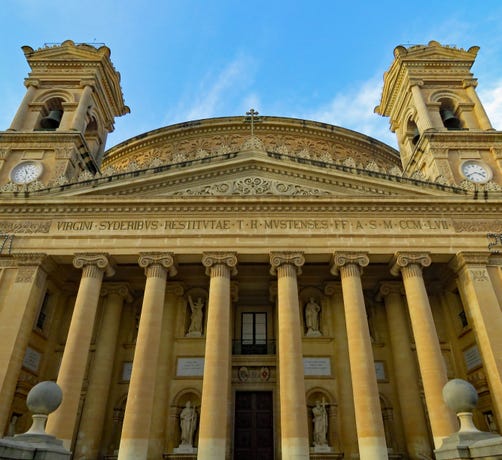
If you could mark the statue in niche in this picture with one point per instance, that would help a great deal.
(312, 313)
(188, 424)
(195, 328)
(320, 420)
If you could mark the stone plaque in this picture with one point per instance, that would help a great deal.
(472, 358)
(190, 367)
(32, 359)
(317, 367)
(126, 371)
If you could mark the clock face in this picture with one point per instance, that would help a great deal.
(26, 172)
(476, 172)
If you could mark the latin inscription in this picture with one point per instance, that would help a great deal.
(262, 225)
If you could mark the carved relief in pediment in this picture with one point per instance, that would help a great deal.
(252, 185)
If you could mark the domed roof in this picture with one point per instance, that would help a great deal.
(196, 140)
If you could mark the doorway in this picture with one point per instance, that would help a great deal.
(254, 426)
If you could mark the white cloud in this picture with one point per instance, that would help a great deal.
(353, 109)
(491, 98)
(216, 93)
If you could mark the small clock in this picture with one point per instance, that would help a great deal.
(26, 172)
(476, 171)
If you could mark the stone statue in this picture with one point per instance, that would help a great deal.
(320, 420)
(312, 310)
(195, 329)
(188, 423)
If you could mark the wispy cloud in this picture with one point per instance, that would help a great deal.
(491, 98)
(219, 93)
(353, 109)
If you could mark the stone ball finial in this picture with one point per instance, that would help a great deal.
(460, 396)
(44, 398)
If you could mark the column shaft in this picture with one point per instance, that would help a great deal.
(217, 359)
(423, 118)
(412, 413)
(479, 110)
(62, 422)
(430, 359)
(369, 423)
(78, 123)
(19, 119)
(93, 414)
(134, 441)
(294, 421)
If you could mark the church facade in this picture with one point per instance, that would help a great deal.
(253, 286)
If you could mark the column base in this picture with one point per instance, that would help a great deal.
(133, 449)
(372, 449)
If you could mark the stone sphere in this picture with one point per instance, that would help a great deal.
(44, 398)
(460, 396)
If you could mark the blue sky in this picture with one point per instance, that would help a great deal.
(189, 59)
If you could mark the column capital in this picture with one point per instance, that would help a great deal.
(121, 289)
(343, 259)
(212, 259)
(163, 260)
(405, 259)
(389, 287)
(175, 288)
(416, 82)
(474, 259)
(332, 288)
(296, 259)
(101, 261)
(470, 82)
(35, 259)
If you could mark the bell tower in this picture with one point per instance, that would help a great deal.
(442, 129)
(59, 131)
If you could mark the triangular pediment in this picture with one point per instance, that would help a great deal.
(255, 174)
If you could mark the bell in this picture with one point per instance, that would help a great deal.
(52, 120)
(450, 121)
(416, 136)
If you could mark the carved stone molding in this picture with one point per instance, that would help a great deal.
(406, 259)
(97, 261)
(211, 260)
(163, 260)
(344, 259)
(295, 259)
(175, 288)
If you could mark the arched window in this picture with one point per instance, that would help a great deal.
(448, 115)
(51, 114)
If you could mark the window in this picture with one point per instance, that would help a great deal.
(254, 333)
(42, 314)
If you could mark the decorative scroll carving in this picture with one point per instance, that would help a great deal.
(253, 143)
(212, 259)
(406, 259)
(25, 227)
(253, 185)
(295, 259)
(390, 287)
(343, 259)
(99, 261)
(333, 288)
(160, 259)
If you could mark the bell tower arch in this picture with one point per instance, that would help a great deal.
(443, 131)
(60, 128)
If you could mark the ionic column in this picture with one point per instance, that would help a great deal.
(430, 359)
(412, 413)
(483, 309)
(217, 358)
(24, 107)
(369, 423)
(423, 116)
(141, 395)
(93, 415)
(294, 421)
(348, 433)
(81, 112)
(17, 315)
(74, 362)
